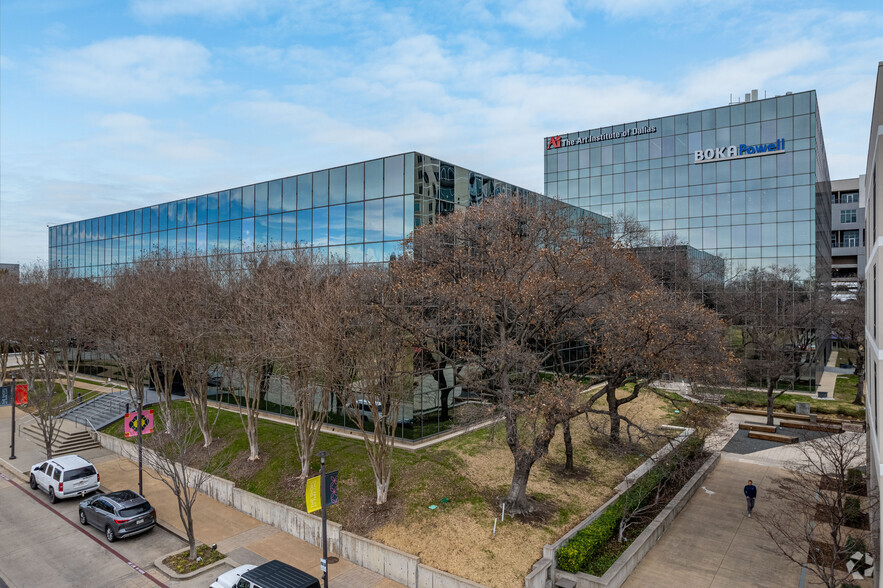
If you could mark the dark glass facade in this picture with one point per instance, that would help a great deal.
(746, 183)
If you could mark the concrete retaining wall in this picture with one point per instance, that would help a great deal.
(377, 557)
(545, 569)
(428, 577)
(389, 562)
(629, 560)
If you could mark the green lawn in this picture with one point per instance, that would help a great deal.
(845, 387)
(755, 399)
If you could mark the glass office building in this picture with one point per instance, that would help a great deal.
(747, 183)
(359, 213)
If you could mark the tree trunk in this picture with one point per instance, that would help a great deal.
(860, 391)
(516, 501)
(252, 434)
(769, 400)
(568, 447)
(613, 407)
(443, 390)
(382, 489)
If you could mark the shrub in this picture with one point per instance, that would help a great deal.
(852, 512)
(853, 545)
(585, 546)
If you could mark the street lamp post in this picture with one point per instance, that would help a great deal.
(324, 562)
(12, 435)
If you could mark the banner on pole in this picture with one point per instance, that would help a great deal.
(5, 395)
(21, 393)
(331, 488)
(314, 493)
(132, 424)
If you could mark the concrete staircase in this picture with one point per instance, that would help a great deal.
(101, 410)
(70, 439)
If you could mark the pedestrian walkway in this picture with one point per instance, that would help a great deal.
(242, 538)
(712, 543)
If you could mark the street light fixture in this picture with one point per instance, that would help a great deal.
(324, 563)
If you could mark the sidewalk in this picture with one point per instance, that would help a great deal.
(242, 538)
(712, 543)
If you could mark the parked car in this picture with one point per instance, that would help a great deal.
(119, 514)
(63, 477)
(269, 575)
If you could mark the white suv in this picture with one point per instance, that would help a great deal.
(63, 477)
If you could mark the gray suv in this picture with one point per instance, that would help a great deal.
(119, 514)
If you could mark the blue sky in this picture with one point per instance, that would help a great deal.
(108, 106)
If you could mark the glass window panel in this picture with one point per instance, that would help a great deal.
(201, 239)
(260, 199)
(173, 215)
(224, 205)
(189, 212)
(162, 216)
(409, 172)
(374, 179)
(236, 235)
(337, 224)
(392, 249)
(182, 214)
(337, 254)
(289, 230)
(355, 223)
(304, 227)
(304, 192)
(130, 224)
(236, 204)
(275, 196)
(191, 239)
(201, 210)
(212, 208)
(355, 254)
(247, 234)
(260, 233)
(320, 188)
(320, 227)
(373, 252)
(393, 175)
(337, 186)
(177, 242)
(274, 231)
(289, 194)
(393, 218)
(355, 182)
(374, 220)
(224, 237)
(409, 214)
(247, 201)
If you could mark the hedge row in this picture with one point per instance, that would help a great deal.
(576, 554)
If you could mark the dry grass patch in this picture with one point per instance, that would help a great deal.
(458, 536)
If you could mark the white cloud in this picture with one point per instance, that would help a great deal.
(539, 18)
(130, 69)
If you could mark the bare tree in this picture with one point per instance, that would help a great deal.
(173, 459)
(638, 336)
(811, 515)
(309, 345)
(9, 318)
(782, 322)
(848, 322)
(504, 290)
(251, 324)
(381, 356)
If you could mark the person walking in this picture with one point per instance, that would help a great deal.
(750, 495)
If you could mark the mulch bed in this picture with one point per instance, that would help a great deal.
(182, 563)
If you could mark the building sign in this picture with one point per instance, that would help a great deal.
(740, 152)
(557, 142)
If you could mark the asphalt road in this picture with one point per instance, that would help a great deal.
(44, 545)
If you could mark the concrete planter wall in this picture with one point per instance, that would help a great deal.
(389, 562)
(629, 560)
(545, 569)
